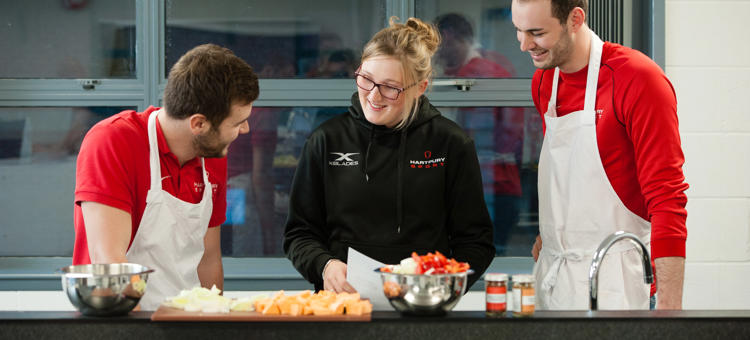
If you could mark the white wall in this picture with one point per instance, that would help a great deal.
(708, 61)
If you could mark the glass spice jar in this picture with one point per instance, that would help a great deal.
(523, 295)
(495, 290)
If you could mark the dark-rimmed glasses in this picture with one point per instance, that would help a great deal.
(386, 91)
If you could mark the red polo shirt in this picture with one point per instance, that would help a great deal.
(113, 169)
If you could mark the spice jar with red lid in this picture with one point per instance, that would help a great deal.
(495, 290)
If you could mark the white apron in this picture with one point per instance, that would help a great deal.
(170, 236)
(578, 209)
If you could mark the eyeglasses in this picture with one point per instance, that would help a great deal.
(386, 91)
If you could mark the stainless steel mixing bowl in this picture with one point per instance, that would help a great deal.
(105, 289)
(418, 294)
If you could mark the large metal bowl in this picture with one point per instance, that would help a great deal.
(105, 289)
(417, 294)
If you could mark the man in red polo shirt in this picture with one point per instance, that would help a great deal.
(611, 160)
(142, 178)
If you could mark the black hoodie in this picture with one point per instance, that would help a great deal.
(387, 193)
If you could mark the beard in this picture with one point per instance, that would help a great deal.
(209, 145)
(559, 53)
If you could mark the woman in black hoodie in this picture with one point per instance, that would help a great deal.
(391, 176)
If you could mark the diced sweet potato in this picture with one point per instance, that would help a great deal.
(354, 309)
(320, 310)
(307, 303)
(295, 309)
(272, 309)
(337, 307)
(366, 306)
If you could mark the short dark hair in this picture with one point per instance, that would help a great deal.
(208, 79)
(561, 8)
(456, 24)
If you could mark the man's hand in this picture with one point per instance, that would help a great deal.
(334, 277)
(537, 248)
(210, 268)
(670, 276)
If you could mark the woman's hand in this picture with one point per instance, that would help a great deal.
(537, 248)
(334, 277)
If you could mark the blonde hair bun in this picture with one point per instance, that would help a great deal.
(428, 33)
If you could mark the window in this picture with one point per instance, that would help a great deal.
(280, 39)
(508, 142)
(77, 39)
(479, 39)
(261, 166)
(95, 58)
(479, 48)
(37, 162)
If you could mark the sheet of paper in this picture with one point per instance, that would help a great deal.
(360, 273)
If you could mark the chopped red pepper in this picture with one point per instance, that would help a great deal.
(437, 262)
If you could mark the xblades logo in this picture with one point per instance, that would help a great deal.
(343, 159)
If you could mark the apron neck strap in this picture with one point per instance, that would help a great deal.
(552, 106)
(205, 174)
(154, 163)
(592, 77)
(153, 147)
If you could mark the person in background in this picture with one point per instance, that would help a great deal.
(611, 160)
(391, 176)
(460, 57)
(250, 169)
(250, 172)
(151, 186)
(338, 64)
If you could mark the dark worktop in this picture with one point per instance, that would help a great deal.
(391, 326)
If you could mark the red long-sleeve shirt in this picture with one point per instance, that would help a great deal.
(638, 138)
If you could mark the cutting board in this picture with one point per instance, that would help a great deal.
(165, 313)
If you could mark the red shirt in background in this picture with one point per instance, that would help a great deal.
(263, 123)
(638, 138)
(507, 125)
(113, 169)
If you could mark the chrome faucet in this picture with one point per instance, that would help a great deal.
(648, 274)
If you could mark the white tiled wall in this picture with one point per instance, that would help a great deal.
(715, 163)
(708, 61)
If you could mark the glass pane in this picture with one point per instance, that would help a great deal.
(67, 39)
(279, 39)
(479, 39)
(508, 142)
(38, 148)
(260, 171)
(262, 164)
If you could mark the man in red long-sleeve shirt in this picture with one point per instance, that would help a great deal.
(611, 161)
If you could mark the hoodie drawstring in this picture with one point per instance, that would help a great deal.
(400, 181)
(367, 154)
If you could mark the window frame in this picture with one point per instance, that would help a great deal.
(252, 273)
